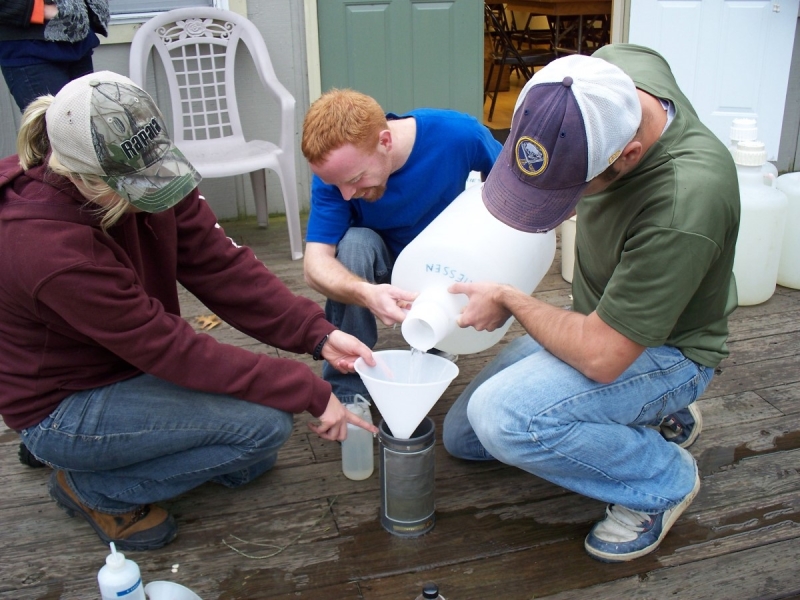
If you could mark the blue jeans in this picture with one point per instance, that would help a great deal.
(31, 81)
(531, 410)
(145, 440)
(363, 252)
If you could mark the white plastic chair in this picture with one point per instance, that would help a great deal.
(197, 47)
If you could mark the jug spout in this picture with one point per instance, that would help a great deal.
(432, 318)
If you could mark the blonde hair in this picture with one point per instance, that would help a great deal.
(33, 145)
(340, 117)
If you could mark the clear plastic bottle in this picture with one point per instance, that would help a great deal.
(430, 591)
(358, 461)
(120, 578)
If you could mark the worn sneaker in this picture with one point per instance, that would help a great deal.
(682, 427)
(453, 358)
(145, 528)
(626, 534)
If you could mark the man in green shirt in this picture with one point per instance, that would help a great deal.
(599, 400)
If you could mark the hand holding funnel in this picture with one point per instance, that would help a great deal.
(405, 387)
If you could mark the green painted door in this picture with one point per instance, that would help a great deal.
(405, 53)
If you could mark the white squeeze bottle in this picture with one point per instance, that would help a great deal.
(357, 456)
(120, 578)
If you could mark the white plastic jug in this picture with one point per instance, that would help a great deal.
(789, 266)
(745, 129)
(465, 243)
(761, 227)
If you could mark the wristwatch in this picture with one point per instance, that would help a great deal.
(317, 354)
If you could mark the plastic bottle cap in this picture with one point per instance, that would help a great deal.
(115, 560)
(430, 590)
(749, 154)
(743, 129)
(360, 407)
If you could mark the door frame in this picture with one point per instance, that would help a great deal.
(619, 33)
(312, 50)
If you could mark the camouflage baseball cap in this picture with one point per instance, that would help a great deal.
(104, 124)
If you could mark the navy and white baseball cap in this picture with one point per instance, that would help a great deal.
(571, 121)
(104, 124)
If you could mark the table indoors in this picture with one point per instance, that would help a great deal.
(577, 26)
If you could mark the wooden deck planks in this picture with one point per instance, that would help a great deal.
(499, 532)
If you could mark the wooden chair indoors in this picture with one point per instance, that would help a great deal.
(505, 53)
(593, 30)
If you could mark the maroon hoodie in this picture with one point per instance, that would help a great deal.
(80, 308)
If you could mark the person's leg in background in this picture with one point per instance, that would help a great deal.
(26, 83)
(362, 252)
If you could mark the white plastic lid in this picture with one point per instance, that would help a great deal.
(360, 407)
(115, 560)
(744, 129)
(749, 154)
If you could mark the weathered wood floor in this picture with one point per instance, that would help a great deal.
(499, 533)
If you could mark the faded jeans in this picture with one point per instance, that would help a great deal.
(363, 252)
(531, 410)
(31, 81)
(144, 440)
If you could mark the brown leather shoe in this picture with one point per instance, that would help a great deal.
(145, 528)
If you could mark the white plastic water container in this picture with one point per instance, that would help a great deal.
(761, 227)
(465, 243)
(358, 460)
(745, 129)
(789, 265)
(568, 230)
(474, 178)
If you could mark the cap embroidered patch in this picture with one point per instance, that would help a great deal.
(532, 158)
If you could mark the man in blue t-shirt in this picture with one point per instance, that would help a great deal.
(379, 180)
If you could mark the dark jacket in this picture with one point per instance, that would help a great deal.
(75, 19)
(80, 308)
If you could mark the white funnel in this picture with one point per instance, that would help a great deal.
(405, 390)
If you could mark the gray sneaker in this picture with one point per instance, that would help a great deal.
(682, 427)
(626, 534)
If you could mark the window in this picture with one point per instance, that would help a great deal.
(141, 10)
(126, 15)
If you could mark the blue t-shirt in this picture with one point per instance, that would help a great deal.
(447, 147)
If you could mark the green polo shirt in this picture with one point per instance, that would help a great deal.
(654, 252)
